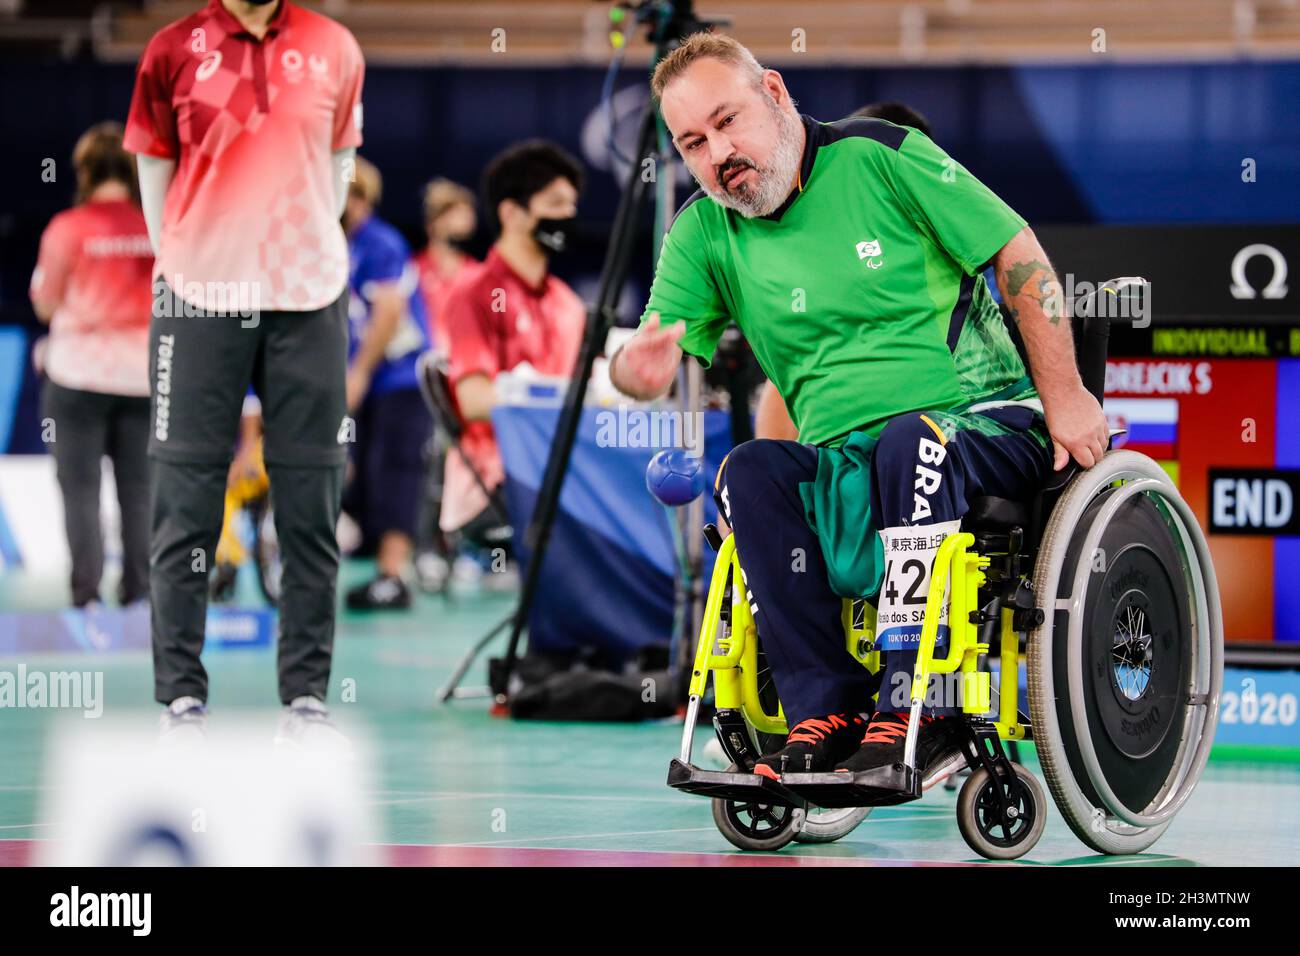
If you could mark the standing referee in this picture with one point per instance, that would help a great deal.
(245, 119)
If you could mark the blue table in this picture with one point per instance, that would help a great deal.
(607, 582)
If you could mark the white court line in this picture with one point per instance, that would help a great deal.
(914, 813)
(519, 795)
(1134, 859)
(815, 859)
(623, 833)
(590, 836)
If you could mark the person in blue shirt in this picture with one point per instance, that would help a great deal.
(388, 329)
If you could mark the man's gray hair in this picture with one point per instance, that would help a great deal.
(701, 46)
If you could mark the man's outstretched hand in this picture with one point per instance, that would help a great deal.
(644, 367)
(1078, 428)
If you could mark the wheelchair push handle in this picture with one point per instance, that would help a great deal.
(1091, 316)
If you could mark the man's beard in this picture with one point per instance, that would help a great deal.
(772, 185)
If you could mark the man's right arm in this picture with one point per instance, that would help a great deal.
(685, 312)
(476, 396)
(646, 364)
(155, 176)
(472, 351)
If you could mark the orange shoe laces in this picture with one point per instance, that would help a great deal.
(887, 728)
(816, 729)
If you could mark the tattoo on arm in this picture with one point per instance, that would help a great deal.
(1047, 294)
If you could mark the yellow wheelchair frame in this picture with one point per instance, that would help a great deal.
(998, 794)
(735, 664)
(249, 492)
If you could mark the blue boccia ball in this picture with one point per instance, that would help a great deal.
(675, 477)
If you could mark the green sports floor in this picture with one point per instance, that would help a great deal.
(577, 794)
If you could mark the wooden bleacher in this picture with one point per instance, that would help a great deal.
(866, 32)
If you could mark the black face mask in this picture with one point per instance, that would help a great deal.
(553, 235)
(461, 243)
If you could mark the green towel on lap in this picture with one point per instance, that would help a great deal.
(837, 506)
(837, 503)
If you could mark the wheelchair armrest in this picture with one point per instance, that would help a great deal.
(1057, 480)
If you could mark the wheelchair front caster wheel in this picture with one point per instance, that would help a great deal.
(982, 825)
(749, 825)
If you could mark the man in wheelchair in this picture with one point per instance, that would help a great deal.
(851, 256)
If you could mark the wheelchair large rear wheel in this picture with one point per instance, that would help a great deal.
(1126, 669)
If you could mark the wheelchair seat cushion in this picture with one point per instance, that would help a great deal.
(996, 514)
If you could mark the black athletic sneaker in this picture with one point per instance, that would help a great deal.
(384, 593)
(887, 734)
(814, 745)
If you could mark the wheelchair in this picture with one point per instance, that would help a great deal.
(249, 496)
(1102, 585)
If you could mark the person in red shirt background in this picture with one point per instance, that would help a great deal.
(92, 285)
(509, 310)
(450, 221)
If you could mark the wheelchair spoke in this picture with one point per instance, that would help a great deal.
(768, 816)
(989, 819)
(757, 819)
(1131, 654)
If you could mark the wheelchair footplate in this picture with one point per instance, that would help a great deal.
(740, 787)
(878, 787)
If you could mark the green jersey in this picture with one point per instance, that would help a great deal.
(862, 296)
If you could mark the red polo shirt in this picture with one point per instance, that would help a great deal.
(434, 284)
(495, 321)
(94, 272)
(251, 124)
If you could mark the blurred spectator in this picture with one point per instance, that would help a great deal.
(507, 311)
(246, 482)
(388, 331)
(450, 221)
(899, 114)
(92, 284)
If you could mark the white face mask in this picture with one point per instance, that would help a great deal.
(764, 196)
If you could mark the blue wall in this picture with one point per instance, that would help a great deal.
(1113, 143)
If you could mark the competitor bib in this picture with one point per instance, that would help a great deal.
(909, 561)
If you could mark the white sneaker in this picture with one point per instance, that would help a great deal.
(466, 572)
(714, 755)
(432, 571)
(501, 582)
(184, 722)
(305, 725)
